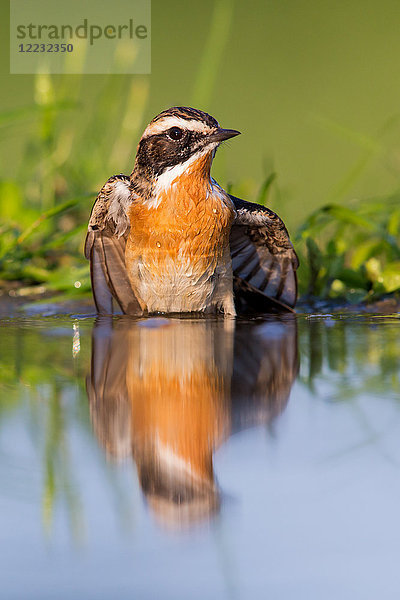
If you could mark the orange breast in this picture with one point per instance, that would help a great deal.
(192, 219)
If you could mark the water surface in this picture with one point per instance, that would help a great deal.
(200, 458)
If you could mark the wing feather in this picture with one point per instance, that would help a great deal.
(264, 262)
(105, 248)
(100, 284)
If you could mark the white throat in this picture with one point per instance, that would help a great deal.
(169, 178)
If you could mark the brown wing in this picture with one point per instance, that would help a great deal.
(110, 407)
(266, 364)
(105, 243)
(263, 259)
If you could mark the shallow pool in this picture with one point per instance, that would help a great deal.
(200, 458)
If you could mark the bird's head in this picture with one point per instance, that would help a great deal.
(176, 140)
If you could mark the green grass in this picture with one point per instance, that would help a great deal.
(45, 206)
(352, 251)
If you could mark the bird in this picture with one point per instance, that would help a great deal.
(169, 239)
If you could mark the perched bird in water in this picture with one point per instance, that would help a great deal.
(169, 239)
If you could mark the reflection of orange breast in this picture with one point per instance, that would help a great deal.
(181, 415)
(178, 403)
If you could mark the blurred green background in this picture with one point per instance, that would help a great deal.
(313, 86)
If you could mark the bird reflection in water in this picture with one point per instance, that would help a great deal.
(170, 391)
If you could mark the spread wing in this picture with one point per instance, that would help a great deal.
(263, 259)
(105, 243)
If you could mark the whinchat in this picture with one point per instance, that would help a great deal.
(169, 239)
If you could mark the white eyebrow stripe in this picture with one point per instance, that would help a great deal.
(167, 122)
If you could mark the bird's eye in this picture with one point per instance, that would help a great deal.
(175, 134)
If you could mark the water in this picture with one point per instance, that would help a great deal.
(267, 467)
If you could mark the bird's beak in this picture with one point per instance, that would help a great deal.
(222, 134)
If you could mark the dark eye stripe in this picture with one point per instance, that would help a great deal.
(159, 151)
